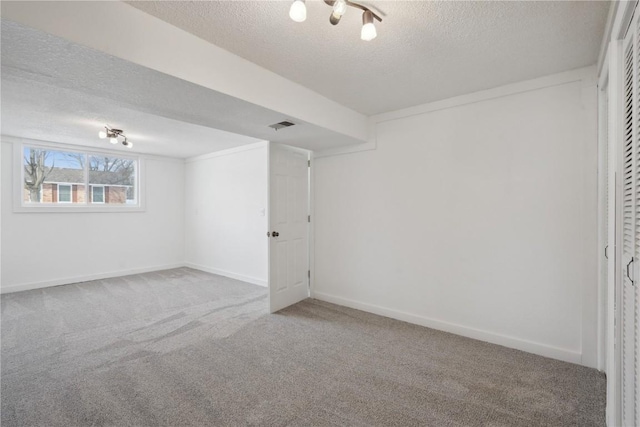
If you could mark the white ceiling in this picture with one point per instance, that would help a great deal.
(36, 110)
(425, 50)
(58, 91)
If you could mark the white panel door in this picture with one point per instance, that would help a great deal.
(289, 226)
(630, 231)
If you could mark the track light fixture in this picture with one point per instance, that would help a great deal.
(298, 13)
(113, 135)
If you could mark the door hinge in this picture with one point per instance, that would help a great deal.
(308, 218)
(309, 274)
(309, 163)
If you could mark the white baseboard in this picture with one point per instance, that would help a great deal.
(87, 278)
(506, 341)
(248, 279)
(78, 279)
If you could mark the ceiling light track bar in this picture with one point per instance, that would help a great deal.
(357, 6)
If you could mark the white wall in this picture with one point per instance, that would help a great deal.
(225, 213)
(475, 215)
(46, 249)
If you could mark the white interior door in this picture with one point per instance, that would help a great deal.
(629, 159)
(612, 254)
(612, 110)
(289, 226)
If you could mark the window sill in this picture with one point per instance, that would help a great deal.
(77, 209)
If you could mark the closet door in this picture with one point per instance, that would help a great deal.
(631, 292)
(630, 230)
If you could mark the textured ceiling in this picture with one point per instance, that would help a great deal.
(425, 50)
(59, 91)
(36, 110)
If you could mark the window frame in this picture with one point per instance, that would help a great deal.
(19, 205)
(59, 184)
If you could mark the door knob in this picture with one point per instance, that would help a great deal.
(275, 234)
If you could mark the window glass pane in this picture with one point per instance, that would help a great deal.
(64, 193)
(97, 194)
(45, 169)
(116, 178)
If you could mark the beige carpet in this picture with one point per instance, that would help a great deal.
(186, 348)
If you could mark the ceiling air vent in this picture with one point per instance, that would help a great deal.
(281, 125)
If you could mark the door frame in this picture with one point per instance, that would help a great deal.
(604, 240)
(312, 228)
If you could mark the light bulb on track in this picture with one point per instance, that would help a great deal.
(368, 32)
(339, 9)
(298, 11)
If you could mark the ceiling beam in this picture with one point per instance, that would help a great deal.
(123, 31)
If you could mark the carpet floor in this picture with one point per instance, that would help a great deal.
(186, 348)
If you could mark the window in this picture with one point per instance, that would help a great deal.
(62, 179)
(97, 194)
(65, 193)
(112, 179)
(48, 176)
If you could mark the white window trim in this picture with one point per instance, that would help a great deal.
(19, 206)
(66, 184)
(93, 202)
